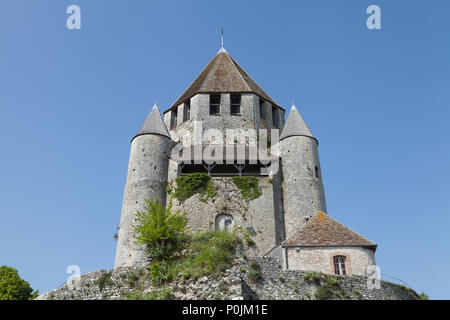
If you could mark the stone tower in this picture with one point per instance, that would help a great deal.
(146, 179)
(303, 191)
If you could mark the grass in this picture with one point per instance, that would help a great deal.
(104, 280)
(207, 253)
(254, 275)
(164, 294)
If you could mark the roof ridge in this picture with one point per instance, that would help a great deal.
(237, 70)
(195, 79)
(251, 78)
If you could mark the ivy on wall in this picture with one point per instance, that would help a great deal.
(190, 184)
(249, 187)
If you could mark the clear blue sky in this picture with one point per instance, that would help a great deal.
(70, 101)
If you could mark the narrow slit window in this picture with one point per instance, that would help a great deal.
(214, 104)
(235, 107)
(187, 111)
(261, 109)
(316, 169)
(274, 117)
(173, 119)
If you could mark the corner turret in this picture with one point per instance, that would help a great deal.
(303, 193)
(147, 178)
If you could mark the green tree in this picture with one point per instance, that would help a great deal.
(160, 229)
(12, 287)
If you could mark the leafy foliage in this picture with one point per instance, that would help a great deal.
(249, 187)
(424, 296)
(12, 287)
(190, 184)
(161, 230)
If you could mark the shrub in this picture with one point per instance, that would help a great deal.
(249, 187)
(254, 275)
(104, 280)
(312, 276)
(254, 265)
(160, 229)
(324, 293)
(424, 296)
(12, 287)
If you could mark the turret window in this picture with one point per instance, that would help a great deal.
(235, 106)
(187, 110)
(274, 117)
(173, 119)
(339, 265)
(261, 109)
(214, 104)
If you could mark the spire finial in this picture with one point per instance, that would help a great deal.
(222, 37)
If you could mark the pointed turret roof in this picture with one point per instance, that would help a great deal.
(322, 231)
(223, 74)
(154, 124)
(295, 126)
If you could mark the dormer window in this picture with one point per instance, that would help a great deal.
(235, 106)
(173, 119)
(261, 109)
(214, 104)
(187, 110)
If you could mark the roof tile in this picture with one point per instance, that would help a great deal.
(322, 230)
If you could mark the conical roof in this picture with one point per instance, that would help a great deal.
(154, 124)
(295, 126)
(223, 75)
(322, 231)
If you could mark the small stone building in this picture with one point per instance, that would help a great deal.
(324, 245)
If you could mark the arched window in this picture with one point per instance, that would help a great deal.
(316, 169)
(224, 222)
(339, 265)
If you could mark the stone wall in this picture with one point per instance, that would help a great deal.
(261, 216)
(234, 284)
(277, 284)
(320, 259)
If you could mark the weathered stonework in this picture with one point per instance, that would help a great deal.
(256, 216)
(146, 179)
(303, 191)
(321, 259)
(234, 284)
